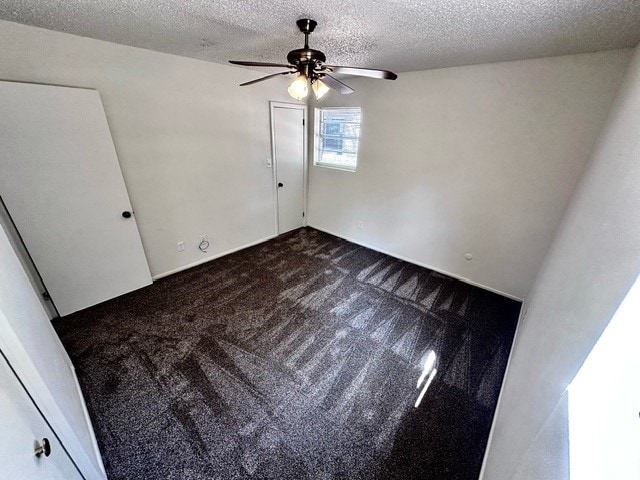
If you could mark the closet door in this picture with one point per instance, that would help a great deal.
(61, 183)
(288, 133)
(28, 447)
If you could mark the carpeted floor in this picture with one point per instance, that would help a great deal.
(295, 359)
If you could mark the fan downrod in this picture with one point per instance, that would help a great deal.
(302, 57)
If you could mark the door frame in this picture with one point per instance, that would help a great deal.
(274, 163)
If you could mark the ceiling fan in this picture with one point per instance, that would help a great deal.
(310, 68)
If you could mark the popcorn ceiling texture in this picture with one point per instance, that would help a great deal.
(402, 35)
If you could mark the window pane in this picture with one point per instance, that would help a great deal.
(338, 134)
(351, 129)
(341, 115)
(340, 160)
(334, 144)
(350, 146)
(331, 129)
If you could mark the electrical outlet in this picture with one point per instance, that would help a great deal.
(181, 246)
(360, 224)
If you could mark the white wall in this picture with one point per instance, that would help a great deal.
(607, 445)
(32, 347)
(547, 458)
(592, 262)
(192, 144)
(479, 159)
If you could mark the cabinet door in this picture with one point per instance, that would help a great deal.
(22, 430)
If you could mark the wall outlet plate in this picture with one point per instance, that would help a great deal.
(181, 246)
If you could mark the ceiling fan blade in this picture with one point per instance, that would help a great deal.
(264, 78)
(260, 64)
(337, 84)
(363, 72)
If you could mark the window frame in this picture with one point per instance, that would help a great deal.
(317, 139)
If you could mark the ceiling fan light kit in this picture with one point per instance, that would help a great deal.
(320, 89)
(299, 87)
(311, 69)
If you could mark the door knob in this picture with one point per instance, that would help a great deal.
(280, 185)
(44, 447)
(126, 214)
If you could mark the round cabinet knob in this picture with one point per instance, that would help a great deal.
(43, 448)
(280, 185)
(126, 214)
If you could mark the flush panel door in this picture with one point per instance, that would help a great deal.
(22, 429)
(288, 137)
(62, 185)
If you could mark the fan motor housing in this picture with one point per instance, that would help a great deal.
(305, 55)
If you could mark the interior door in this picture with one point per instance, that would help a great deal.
(288, 137)
(23, 429)
(61, 183)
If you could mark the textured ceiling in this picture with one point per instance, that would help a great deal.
(400, 35)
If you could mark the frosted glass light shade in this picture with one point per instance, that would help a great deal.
(299, 88)
(320, 89)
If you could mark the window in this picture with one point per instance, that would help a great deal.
(336, 139)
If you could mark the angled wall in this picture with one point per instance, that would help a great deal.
(592, 262)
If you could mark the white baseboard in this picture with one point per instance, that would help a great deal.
(420, 264)
(208, 259)
(352, 240)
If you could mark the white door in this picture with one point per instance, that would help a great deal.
(61, 183)
(22, 429)
(31, 346)
(288, 137)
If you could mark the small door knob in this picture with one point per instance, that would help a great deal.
(280, 185)
(126, 214)
(43, 448)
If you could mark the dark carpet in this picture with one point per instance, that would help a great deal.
(298, 358)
